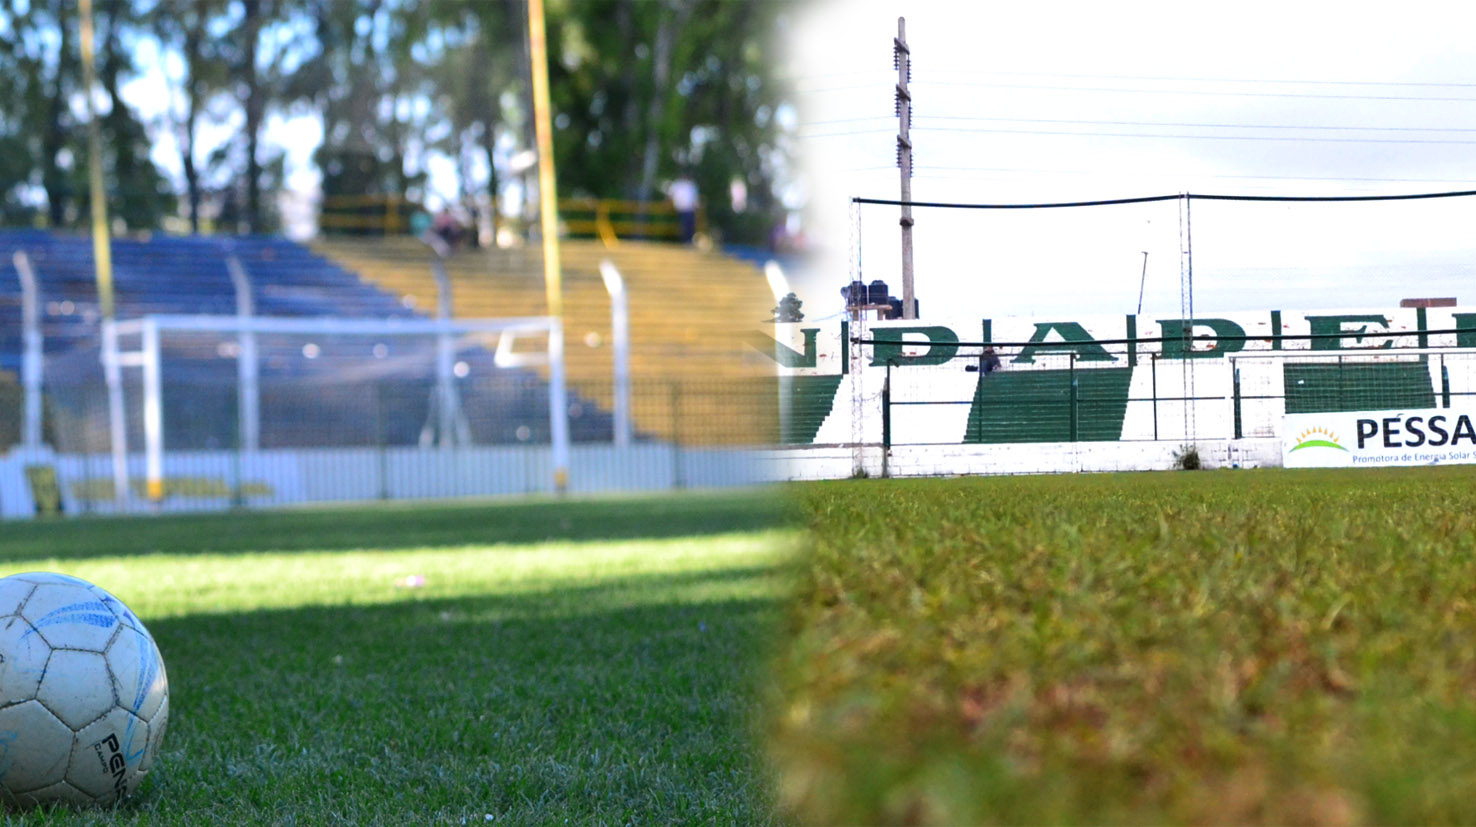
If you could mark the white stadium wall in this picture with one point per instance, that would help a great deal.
(1100, 393)
(214, 480)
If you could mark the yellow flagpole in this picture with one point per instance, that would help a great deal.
(553, 279)
(101, 250)
(102, 257)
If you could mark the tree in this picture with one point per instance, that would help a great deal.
(700, 94)
(41, 64)
(43, 122)
(138, 192)
(17, 161)
(361, 82)
(184, 26)
(475, 71)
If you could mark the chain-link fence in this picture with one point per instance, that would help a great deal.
(352, 434)
(1006, 411)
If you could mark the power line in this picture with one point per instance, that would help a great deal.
(1178, 174)
(834, 121)
(847, 134)
(1194, 92)
(1274, 138)
(1328, 127)
(1153, 198)
(1192, 79)
(923, 77)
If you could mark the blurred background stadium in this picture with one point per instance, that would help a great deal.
(376, 160)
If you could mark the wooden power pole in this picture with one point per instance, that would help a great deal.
(903, 60)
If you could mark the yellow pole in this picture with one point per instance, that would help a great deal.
(101, 250)
(553, 279)
(102, 257)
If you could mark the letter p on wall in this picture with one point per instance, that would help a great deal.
(941, 342)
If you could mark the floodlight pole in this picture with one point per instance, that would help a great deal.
(549, 228)
(103, 263)
(902, 57)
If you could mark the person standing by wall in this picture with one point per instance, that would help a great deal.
(683, 195)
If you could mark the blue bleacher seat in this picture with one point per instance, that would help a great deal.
(189, 274)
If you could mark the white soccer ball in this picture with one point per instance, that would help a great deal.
(83, 695)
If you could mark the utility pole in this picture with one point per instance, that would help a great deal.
(902, 59)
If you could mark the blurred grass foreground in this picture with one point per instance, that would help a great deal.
(580, 662)
(1263, 647)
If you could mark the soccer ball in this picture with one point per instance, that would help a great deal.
(83, 695)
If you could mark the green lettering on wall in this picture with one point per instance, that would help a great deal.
(942, 346)
(1077, 341)
(1178, 332)
(1332, 325)
(783, 354)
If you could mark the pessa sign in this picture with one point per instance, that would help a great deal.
(1371, 438)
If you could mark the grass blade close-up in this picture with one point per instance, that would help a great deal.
(581, 662)
(1265, 647)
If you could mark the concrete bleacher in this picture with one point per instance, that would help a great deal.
(694, 380)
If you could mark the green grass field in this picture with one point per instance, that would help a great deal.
(585, 662)
(1219, 647)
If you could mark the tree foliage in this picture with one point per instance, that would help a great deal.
(643, 90)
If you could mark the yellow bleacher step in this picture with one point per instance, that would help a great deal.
(687, 309)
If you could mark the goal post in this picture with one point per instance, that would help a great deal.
(351, 350)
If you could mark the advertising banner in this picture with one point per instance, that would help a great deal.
(1349, 439)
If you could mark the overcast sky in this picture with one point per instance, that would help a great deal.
(1041, 102)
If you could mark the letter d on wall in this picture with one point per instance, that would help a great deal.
(942, 345)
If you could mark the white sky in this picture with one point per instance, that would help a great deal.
(1040, 101)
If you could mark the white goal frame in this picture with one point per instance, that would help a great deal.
(147, 357)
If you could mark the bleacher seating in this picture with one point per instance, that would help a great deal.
(1354, 386)
(190, 275)
(172, 275)
(1050, 406)
(694, 380)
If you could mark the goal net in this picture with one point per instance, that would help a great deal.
(260, 408)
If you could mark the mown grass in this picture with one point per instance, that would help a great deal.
(545, 673)
(1234, 647)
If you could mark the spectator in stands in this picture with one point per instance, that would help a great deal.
(448, 228)
(683, 195)
(988, 361)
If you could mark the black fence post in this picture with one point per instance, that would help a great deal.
(238, 496)
(886, 401)
(676, 435)
(1342, 404)
(380, 440)
(1072, 411)
(1444, 383)
(1153, 367)
(1235, 378)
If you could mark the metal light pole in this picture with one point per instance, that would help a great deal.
(903, 59)
(549, 224)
